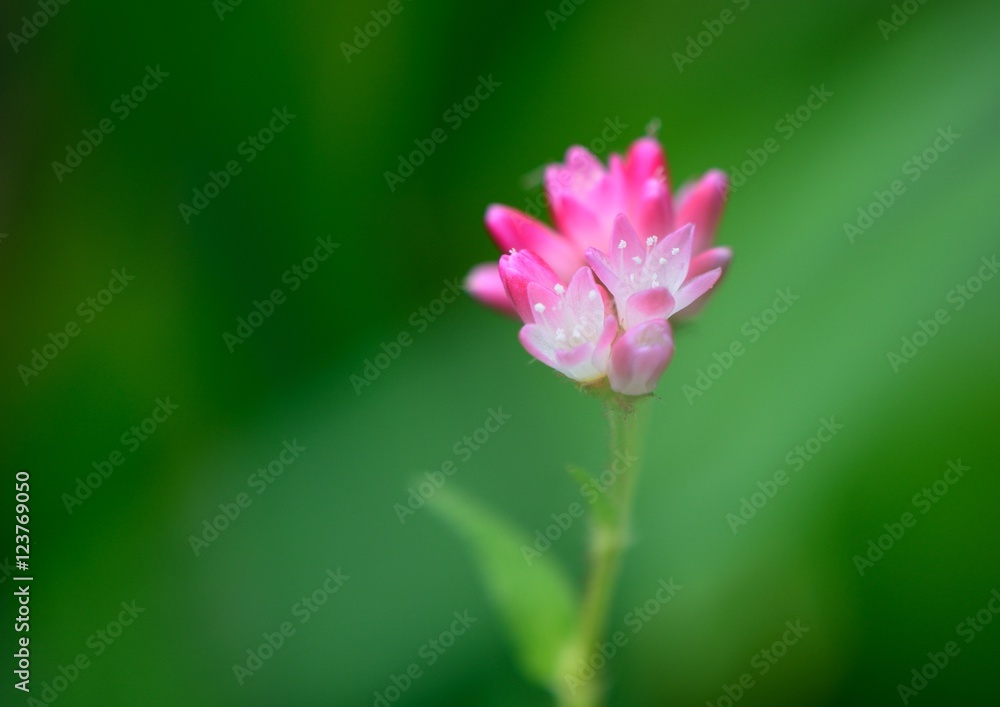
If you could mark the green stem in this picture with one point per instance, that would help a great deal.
(609, 535)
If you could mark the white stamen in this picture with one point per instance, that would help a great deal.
(559, 289)
(592, 295)
(663, 261)
(560, 335)
(621, 245)
(539, 307)
(513, 250)
(637, 260)
(675, 251)
(651, 241)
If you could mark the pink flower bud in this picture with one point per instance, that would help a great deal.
(639, 358)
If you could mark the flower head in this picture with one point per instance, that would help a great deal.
(585, 198)
(659, 262)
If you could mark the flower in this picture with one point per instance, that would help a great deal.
(585, 199)
(648, 277)
(609, 326)
(639, 358)
(568, 328)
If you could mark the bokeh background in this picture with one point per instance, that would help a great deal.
(561, 78)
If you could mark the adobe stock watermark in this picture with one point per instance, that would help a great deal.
(600, 654)
(294, 277)
(430, 653)
(591, 490)
(786, 126)
(697, 44)
(464, 448)
(901, 14)
(98, 642)
(47, 9)
(923, 501)
(122, 108)
(223, 7)
(562, 12)
(87, 311)
(968, 629)
(419, 321)
(131, 439)
(913, 168)
(259, 481)
(761, 663)
(249, 149)
(364, 34)
(303, 610)
(796, 460)
(454, 117)
(751, 330)
(957, 297)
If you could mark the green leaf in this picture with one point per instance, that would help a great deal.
(536, 601)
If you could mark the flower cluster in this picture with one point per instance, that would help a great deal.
(596, 293)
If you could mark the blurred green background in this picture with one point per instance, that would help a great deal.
(332, 508)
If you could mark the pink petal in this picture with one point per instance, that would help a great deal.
(602, 268)
(676, 268)
(516, 272)
(702, 205)
(695, 288)
(577, 174)
(555, 183)
(545, 305)
(483, 282)
(652, 209)
(603, 347)
(709, 260)
(610, 193)
(536, 342)
(654, 303)
(578, 220)
(578, 295)
(634, 247)
(568, 359)
(645, 161)
(512, 229)
(583, 166)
